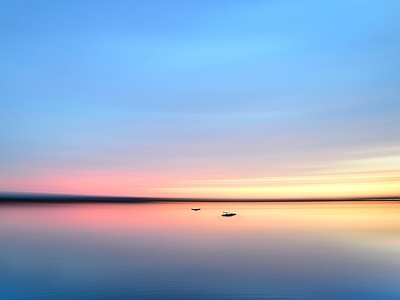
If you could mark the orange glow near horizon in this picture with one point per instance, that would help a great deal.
(376, 177)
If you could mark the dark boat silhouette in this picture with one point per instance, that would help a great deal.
(228, 214)
(196, 209)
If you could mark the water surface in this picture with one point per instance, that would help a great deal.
(328, 250)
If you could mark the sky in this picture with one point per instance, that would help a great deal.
(204, 99)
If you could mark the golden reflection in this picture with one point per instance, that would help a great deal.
(365, 216)
(367, 225)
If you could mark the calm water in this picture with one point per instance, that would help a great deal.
(333, 250)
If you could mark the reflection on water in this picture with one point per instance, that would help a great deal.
(330, 250)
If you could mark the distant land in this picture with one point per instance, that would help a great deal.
(61, 198)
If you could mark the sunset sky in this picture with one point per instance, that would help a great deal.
(212, 99)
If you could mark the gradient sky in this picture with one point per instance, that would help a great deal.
(220, 99)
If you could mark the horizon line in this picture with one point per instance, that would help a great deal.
(16, 197)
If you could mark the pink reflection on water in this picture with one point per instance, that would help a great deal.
(166, 217)
(345, 243)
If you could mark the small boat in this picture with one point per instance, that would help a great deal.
(228, 214)
(196, 209)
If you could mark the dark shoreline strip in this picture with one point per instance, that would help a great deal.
(46, 198)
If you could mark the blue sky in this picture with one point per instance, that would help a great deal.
(197, 90)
